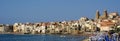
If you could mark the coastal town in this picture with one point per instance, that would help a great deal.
(101, 23)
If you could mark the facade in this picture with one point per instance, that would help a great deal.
(2, 28)
(104, 16)
(106, 25)
(6, 28)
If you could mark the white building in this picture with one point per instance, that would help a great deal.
(2, 28)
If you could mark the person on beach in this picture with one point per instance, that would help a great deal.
(101, 37)
(109, 36)
(106, 37)
(115, 36)
(119, 36)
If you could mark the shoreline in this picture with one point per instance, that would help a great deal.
(81, 34)
(85, 34)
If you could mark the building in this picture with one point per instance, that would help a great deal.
(2, 28)
(97, 15)
(106, 25)
(6, 28)
(104, 16)
(113, 15)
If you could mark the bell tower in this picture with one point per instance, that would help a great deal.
(105, 14)
(97, 15)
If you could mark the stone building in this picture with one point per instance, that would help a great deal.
(106, 25)
(104, 16)
(6, 28)
(2, 28)
(15, 27)
(113, 15)
(23, 28)
(97, 15)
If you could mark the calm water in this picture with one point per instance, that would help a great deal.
(12, 37)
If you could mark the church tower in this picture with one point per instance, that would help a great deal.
(105, 14)
(97, 15)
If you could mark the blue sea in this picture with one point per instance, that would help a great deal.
(42, 37)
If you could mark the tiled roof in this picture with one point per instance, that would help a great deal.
(107, 23)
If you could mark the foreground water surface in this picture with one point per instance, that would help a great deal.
(12, 37)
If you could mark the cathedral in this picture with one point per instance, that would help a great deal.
(104, 16)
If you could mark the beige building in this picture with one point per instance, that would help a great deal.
(106, 25)
(2, 28)
(6, 28)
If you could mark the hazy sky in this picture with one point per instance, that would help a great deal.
(12, 11)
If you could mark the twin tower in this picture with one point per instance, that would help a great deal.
(104, 16)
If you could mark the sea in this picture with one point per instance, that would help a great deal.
(41, 37)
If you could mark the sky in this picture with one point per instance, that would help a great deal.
(16, 11)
